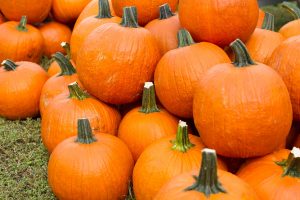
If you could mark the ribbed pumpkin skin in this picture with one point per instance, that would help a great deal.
(20, 90)
(290, 29)
(247, 109)
(179, 70)
(265, 176)
(112, 63)
(218, 21)
(261, 17)
(100, 170)
(54, 34)
(147, 10)
(54, 68)
(20, 46)
(35, 10)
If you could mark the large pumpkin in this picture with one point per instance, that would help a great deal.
(219, 21)
(20, 41)
(90, 166)
(242, 109)
(292, 28)
(180, 69)
(112, 63)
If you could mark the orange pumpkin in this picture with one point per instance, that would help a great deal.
(20, 41)
(35, 10)
(210, 184)
(89, 24)
(103, 166)
(165, 29)
(292, 28)
(2, 19)
(59, 119)
(20, 89)
(245, 105)
(112, 63)
(218, 21)
(180, 69)
(275, 176)
(261, 17)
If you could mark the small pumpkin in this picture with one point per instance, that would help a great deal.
(180, 69)
(89, 24)
(59, 119)
(20, 89)
(112, 64)
(210, 184)
(291, 28)
(246, 106)
(90, 166)
(20, 41)
(275, 176)
(261, 17)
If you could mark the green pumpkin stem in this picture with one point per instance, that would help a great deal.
(165, 11)
(104, 9)
(292, 8)
(9, 65)
(66, 47)
(242, 56)
(85, 135)
(130, 17)
(184, 38)
(22, 25)
(65, 65)
(207, 182)
(148, 101)
(182, 142)
(268, 22)
(76, 92)
(291, 165)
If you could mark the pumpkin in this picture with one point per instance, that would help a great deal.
(245, 105)
(218, 21)
(180, 69)
(165, 29)
(90, 166)
(291, 28)
(261, 17)
(147, 10)
(54, 34)
(145, 124)
(59, 119)
(210, 184)
(112, 63)
(20, 89)
(165, 159)
(67, 11)
(264, 41)
(89, 24)
(275, 176)
(35, 10)
(2, 19)
(20, 41)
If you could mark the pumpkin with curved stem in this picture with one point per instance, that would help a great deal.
(89, 24)
(20, 89)
(209, 184)
(180, 69)
(93, 177)
(261, 17)
(20, 41)
(292, 28)
(59, 119)
(275, 176)
(244, 103)
(112, 63)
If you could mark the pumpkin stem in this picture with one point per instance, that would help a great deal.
(65, 65)
(207, 182)
(104, 9)
(130, 17)
(291, 165)
(165, 11)
(184, 38)
(292, 8)
(66, 47)
(22, 24)
(148, 101)
(85, 135)
(9, 65)
(182, 142)
(76, 92)
(242, 57)
(268, 22)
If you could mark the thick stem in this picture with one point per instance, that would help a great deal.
(9, 65)
(207, 182)
(182, 142)
(184, 38)
(22, 24)
(85, 135)
(148, 101)
(242, 57)
(291, 166)
(292, 8)
(66, 47)
(76, 92)
(65, 65)
(104, 9)
(165, 11)
(268, 22)
(130, 17)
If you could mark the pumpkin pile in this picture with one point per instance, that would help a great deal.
(180, 99)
